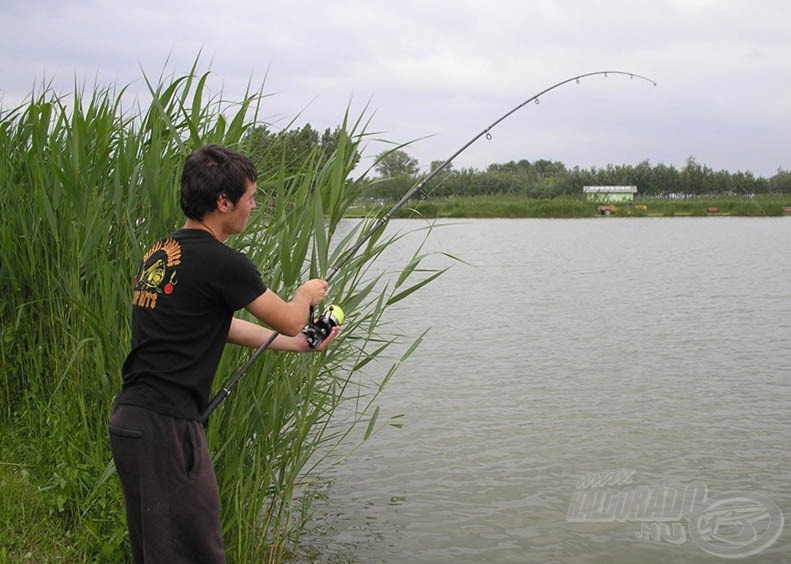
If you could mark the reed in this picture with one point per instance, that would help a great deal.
(87, 186)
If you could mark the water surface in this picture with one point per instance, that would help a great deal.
(565, 348)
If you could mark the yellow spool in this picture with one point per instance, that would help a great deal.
(336, 312)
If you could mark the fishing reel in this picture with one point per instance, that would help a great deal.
(320, 327)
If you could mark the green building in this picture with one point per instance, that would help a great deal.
(610, 194)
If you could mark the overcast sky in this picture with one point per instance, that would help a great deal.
(439, 72)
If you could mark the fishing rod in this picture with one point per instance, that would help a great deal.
(325, 322)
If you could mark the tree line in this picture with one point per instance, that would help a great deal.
(396, 171)
(290, 150)
(550, 179)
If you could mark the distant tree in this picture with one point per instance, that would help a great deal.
(543, 168)
(389, 188)
(693, 177)
(290, 148)
(436, 164)
(392, 164)
(780, 183)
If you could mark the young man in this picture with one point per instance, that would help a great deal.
(186, 291)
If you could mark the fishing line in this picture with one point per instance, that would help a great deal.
(417, 189)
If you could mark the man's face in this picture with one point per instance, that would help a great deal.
(239, 213)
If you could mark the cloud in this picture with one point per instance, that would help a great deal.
(446, 70)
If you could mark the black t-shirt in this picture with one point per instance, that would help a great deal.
(186, 290)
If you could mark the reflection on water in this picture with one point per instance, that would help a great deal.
(568, 348)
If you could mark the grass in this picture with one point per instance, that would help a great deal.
(496, 206)
(24, 518)
(87, 186)
(758, 206)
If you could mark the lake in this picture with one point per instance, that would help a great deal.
(592, 390)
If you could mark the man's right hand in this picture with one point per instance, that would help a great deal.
(313, 291)
(288, 317)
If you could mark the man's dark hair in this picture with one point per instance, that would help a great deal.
(210, 171)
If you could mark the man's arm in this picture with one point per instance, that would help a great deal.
(289, 317)
(253, 335)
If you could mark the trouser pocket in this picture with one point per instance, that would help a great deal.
(125, 432)
(190, 445)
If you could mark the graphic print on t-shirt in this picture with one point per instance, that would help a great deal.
(157, 273)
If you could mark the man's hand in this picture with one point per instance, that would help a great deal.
(326, 342)
(313, 291)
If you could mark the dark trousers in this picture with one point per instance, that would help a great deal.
(171, 493)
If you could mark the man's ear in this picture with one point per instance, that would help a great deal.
(223, 203)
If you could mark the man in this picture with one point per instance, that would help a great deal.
(186, 291)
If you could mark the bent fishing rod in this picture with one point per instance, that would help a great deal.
(416, 189)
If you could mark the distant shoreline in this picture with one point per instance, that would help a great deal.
(507, 206)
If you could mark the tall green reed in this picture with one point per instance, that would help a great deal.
(87, 186)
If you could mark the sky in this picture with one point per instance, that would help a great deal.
(435, 74)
